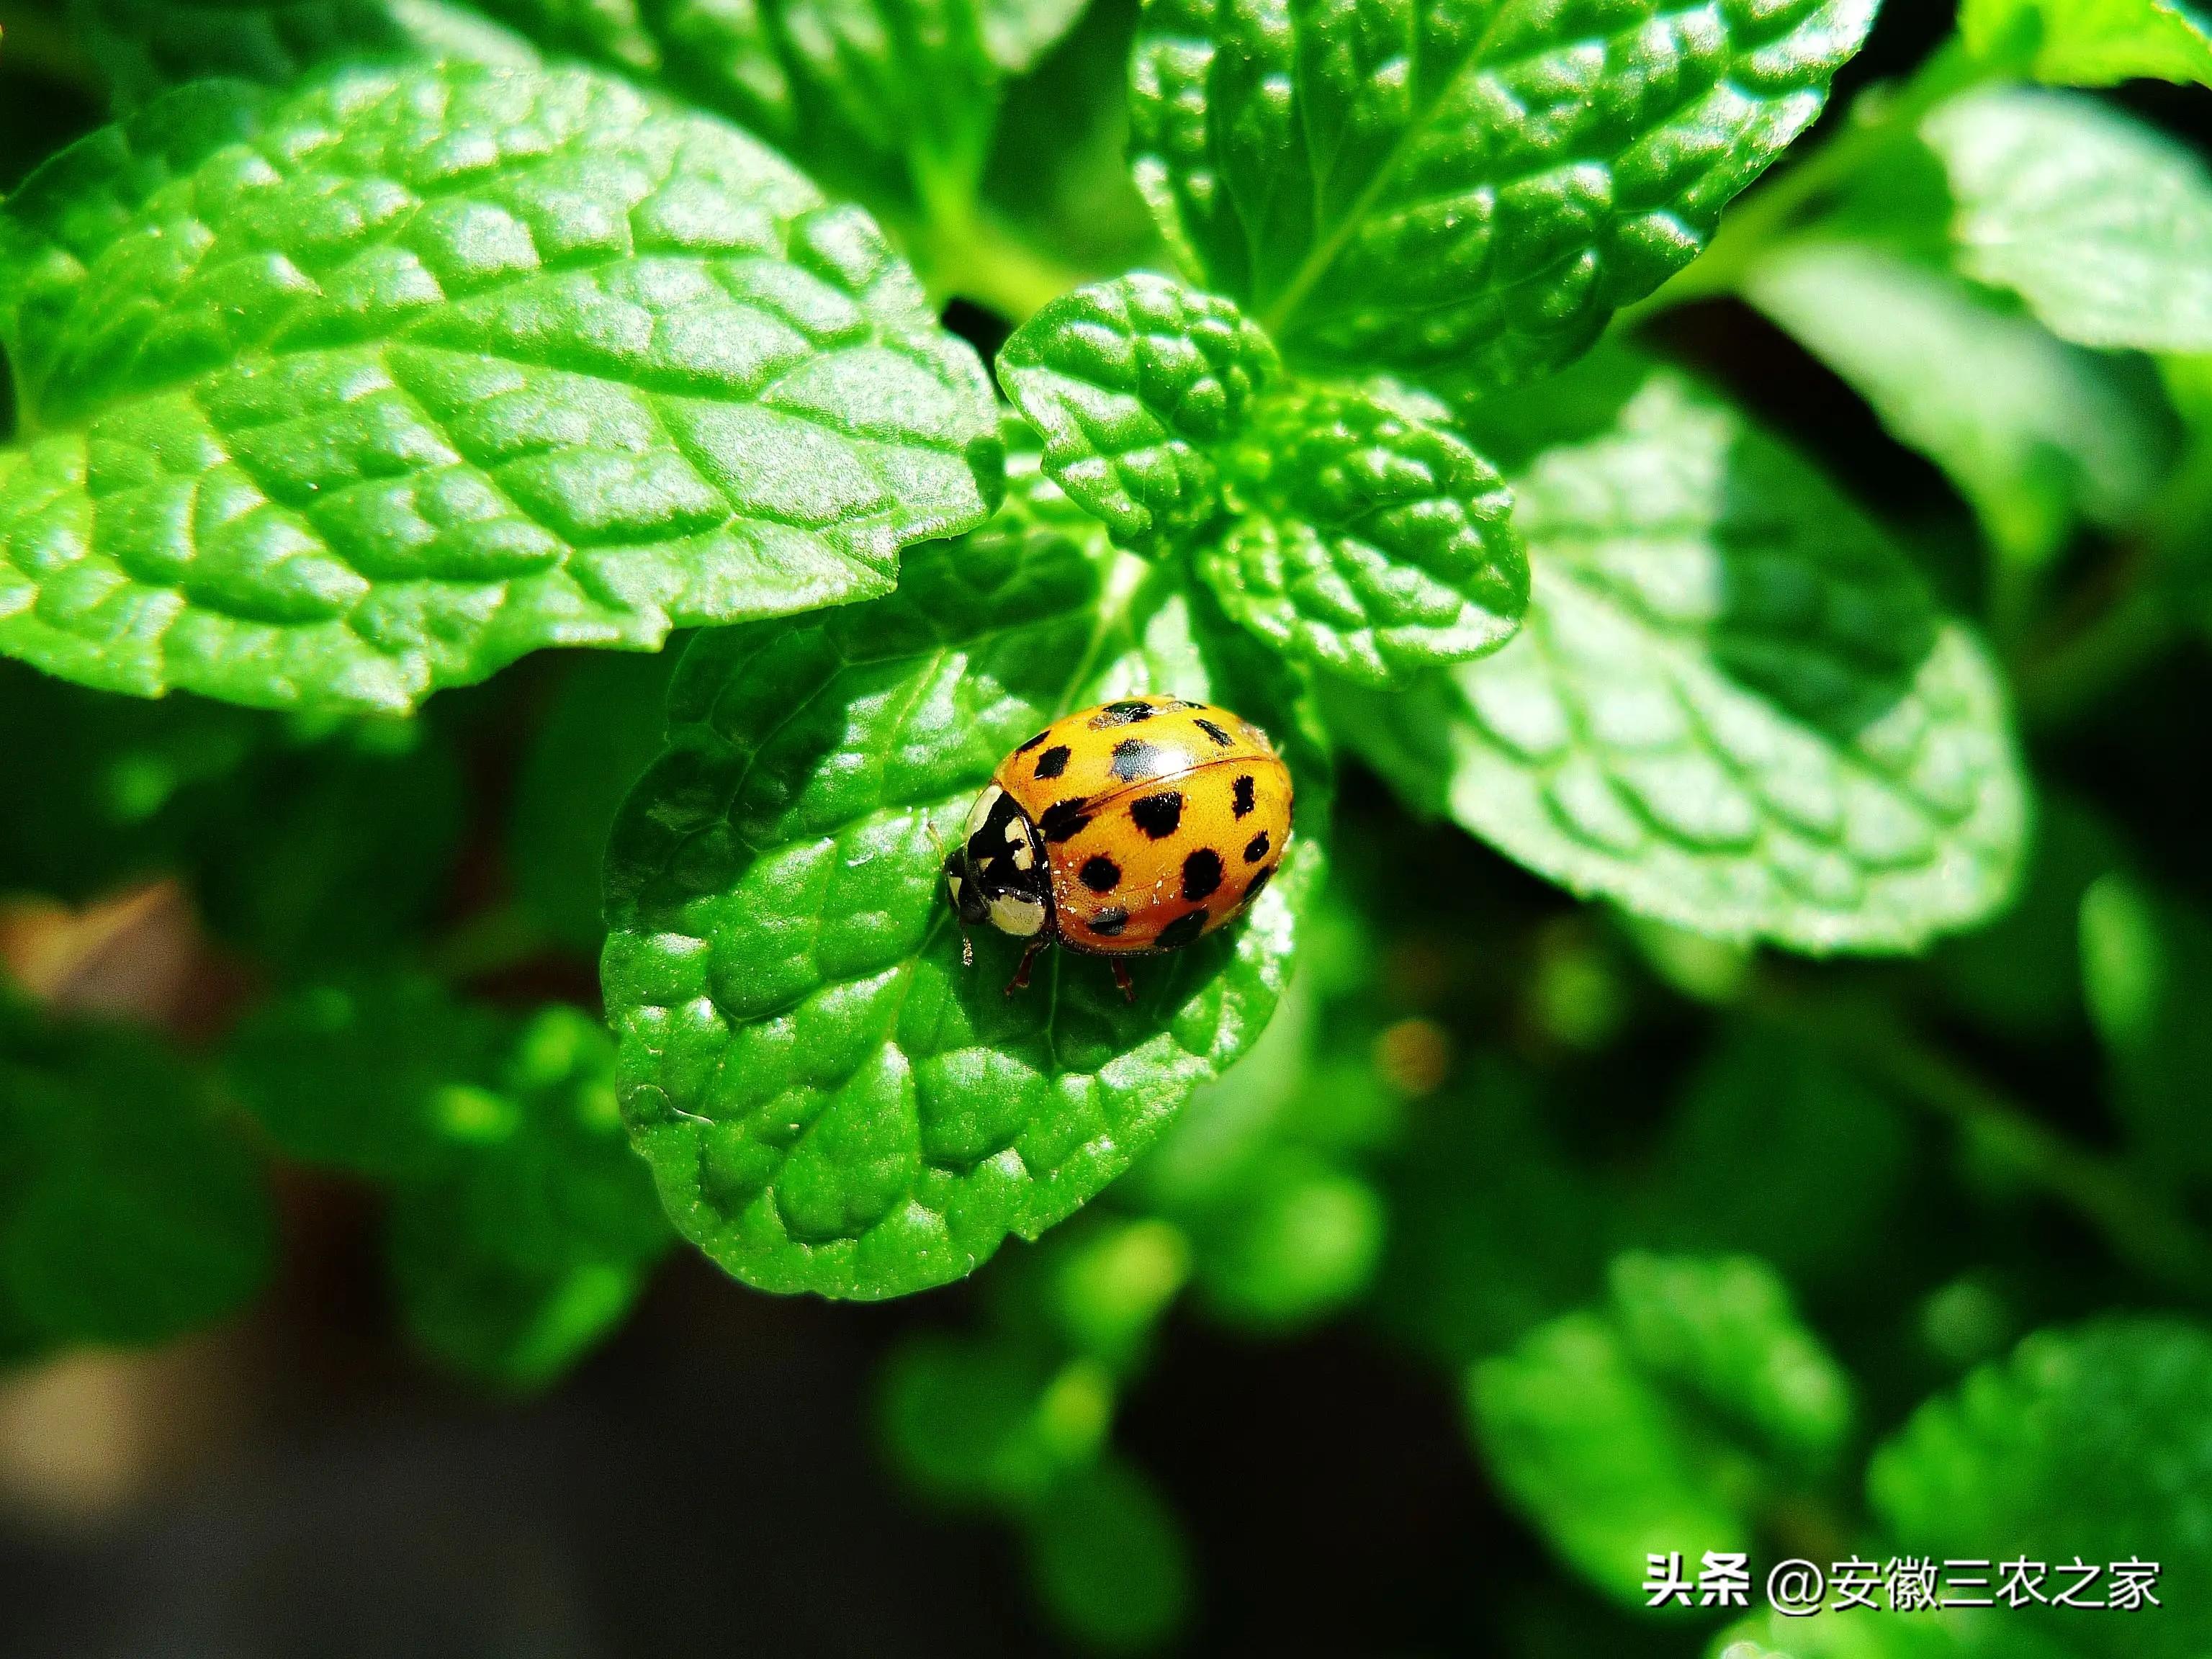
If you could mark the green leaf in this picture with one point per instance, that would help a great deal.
(2092, 1440)
(522, 1225)
(2038, 435)
(514, 1326)
(1303, 1242)
(1462, 191)
(313, 845)
(2146, 964)
(327, 856)
(1664, 1421)
(1733, 705)
(145, 47)
(2094, 43)
(365, 1077)
(335, 396)
(1492, 1231)
(990, 1423)
(603, 730)
(830, 1100)
(2102, 224)
(131, 1210)
(2021, 975)
(122, 785)
(1364, 541)
(1778, 1151)
(891, 101)
(1108, 1558)
(1133, 386)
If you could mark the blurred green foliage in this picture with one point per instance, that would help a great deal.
(1871, 555)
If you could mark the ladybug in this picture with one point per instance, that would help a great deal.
(1124, 830)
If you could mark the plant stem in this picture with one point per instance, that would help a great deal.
(2141, 1227)
(969, 251)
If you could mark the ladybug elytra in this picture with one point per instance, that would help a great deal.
(1128, 830)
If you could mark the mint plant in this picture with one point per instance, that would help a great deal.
(534, 522)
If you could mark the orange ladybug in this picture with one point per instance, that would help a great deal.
(1124, 830)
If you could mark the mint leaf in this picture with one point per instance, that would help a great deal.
(1461, 192)
(1733, 705)
(131, 1210)
(146, 47)
(2094, 43)
(1133, 386)
(325, 403)
(1365, 542)
(2091, 1441)
(990, 1423)
(1356, 538)
(2038, 435)
(2101, 224)
(1493, 1231)
(1736, 1169)
(328, 855)
(1108, 1556)
(891, 102)
(1672, 1415)
(830, 1100)
(523, 1225)
(363, 1076)
(515, 1326)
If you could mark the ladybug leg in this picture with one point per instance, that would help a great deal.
(1020, 981)
(1122, 978)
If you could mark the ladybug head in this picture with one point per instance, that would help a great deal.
(999, 873)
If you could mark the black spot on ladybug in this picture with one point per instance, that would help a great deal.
(1109, 923)
(1243, 795)
(1100, 874)
(1257, 848)
(1158, 816)
(1201, 874)
(1257, 885)
(1064, 818)
(1121, 713)
(1053, 762)
(1135, 760)
(1181, 931)
(1034, 741)
(1215, 732)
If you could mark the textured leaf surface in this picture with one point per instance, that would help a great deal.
(1133, 385)
(1365, 542)
(2097, 43)
(1462, 190)
(130, 1212)
(2094, 1441)
(2038, 435)
(1733, 704)
(338, 395)
(146, 47)
(830, 1101)
(2102, 224)
(1660, 1419)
